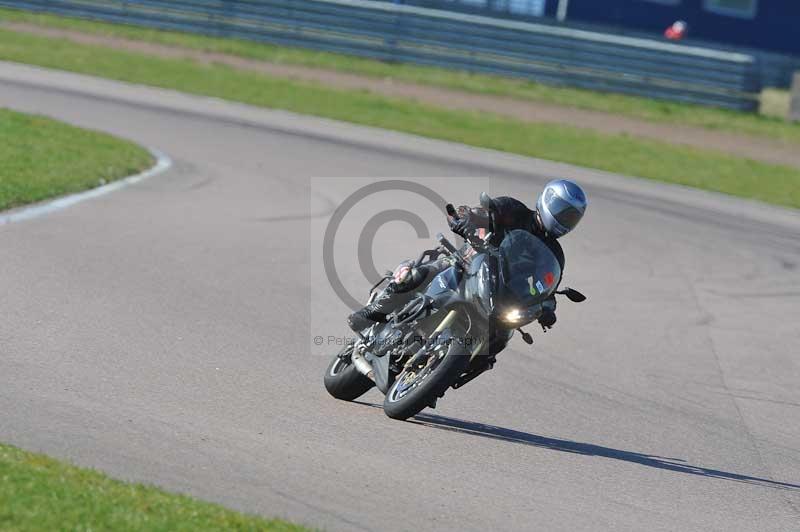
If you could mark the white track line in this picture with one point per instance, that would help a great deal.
(163, 162)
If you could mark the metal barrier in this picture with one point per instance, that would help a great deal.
(776, 67)
(392, 32)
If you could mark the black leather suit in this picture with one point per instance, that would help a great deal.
(507, 214)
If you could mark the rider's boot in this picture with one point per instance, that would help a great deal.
(398, 293)
(389, 300)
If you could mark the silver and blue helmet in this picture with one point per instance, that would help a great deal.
(561, 206)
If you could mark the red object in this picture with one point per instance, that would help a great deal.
(549, 278)
(676, 31)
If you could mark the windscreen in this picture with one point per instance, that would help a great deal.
(531, 272)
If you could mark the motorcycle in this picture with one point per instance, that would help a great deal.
(450, 331)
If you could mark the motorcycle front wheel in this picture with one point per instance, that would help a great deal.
(419, 387)
(343, 380)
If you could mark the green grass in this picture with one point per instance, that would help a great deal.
(766, 125)
(42, 158)
(38, 493)
(616, 153)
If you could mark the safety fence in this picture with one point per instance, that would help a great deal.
(776, 68)
(401, 33)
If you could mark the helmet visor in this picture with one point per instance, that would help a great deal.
(564, 213)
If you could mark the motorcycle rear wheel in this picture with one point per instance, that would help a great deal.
(342, 379)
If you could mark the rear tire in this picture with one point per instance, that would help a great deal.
(453, 364)
(343, 381)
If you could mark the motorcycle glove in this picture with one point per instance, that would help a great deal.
(462, 226)
(547, 319)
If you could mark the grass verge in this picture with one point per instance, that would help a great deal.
(41, 158)
(765, 125)
(615, 153)
(39, 493)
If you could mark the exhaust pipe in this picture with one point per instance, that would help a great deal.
(361, 364)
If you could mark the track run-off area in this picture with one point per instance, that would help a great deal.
(164, 332)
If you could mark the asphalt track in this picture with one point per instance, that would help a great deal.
(163, 333)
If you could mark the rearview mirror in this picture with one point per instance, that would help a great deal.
(573, 295)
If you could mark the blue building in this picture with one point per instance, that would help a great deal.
(770, 25)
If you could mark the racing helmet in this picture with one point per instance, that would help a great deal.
(561, 206)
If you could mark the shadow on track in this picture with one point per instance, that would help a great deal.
(526, 438)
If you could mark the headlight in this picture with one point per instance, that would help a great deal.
(513, 315)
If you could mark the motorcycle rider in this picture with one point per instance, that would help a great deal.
(559, 208)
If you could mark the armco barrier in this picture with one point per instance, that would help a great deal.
(776, 68)
(393, 32)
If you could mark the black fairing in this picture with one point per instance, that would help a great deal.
(480, 286)
(444, 287)
(380, 368)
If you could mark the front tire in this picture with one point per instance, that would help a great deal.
(342, 379)
(402, 404)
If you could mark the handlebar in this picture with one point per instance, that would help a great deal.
(446, 243)
(450, 249)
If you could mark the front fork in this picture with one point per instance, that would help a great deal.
(443, 325)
